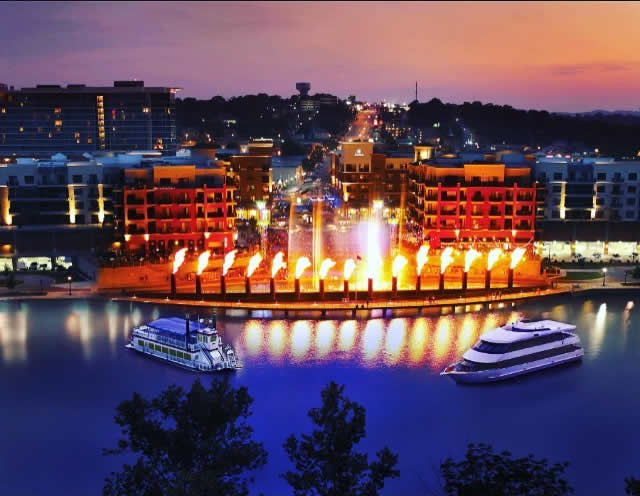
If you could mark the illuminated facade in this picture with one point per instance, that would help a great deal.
(166, 207)
(49, 119)
(363, 179)
(472, 202)
(254, 172)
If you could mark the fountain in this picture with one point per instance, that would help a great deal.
(326, 266)
(398, 264)
(349, 267)
(302, 264)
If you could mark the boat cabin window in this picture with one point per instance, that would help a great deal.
(500, 348)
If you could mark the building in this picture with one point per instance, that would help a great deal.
(254, 172)
(450, 200)
(363, 179)
(51, 119)
(167, 207)
(591, 208)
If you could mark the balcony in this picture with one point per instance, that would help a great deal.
(132, 200)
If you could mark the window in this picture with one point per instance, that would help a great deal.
(140, 342)
(557, 176)
(28, 179)
(633, 176)
(555, 214)
(557, 189)
(602, 176)
(631, 189)
(93, 178)
(630, 201)
(58, 123)
(21, 129)
(77, 178)
(629, 214)
(13, 180)
(601, 188)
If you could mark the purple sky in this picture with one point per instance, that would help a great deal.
(556, 56)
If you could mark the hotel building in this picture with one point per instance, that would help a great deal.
(52, 119)
(254, 172)
(450, 200)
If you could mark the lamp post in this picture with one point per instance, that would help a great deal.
(69, 279)
(604, 276)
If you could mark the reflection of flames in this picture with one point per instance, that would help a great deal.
(516, 256)
(203, 261)
(395, 340)
(349, 267)
(254, 262)
(302, 264)
(446, 258)
(398, 264)
(178, 260)
(229, 258)
(325, 267)
(469, 257)
(277, 264)
(422, 257)
(493, 257)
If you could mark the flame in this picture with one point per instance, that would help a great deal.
(516, 256)
(203, 261)
(398, 264)
(178, 259)
(277, 264)
(469, 257)
(302, 264)
(493, 257)
(446, 257)
(254, 262)
(325, 267)
(422, 257)
(374, 265)
(229, 258)
(349, 267)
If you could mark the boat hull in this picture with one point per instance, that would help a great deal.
(191, 365)
(494, 375)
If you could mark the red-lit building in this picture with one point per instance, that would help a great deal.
(166, 207)
(471, 202)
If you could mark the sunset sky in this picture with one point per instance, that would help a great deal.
(558, 56)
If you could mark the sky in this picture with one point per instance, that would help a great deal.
(556, 56)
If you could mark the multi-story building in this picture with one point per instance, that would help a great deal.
(450, 200)
(591, 207)
(364, 179)
(254, 172)
(51, 119)
(167, 207)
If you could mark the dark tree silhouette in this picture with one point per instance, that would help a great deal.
(325, 461)
(188, 443)
(485, 473)
(632, 486)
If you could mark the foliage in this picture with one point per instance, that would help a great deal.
(189, 444)
(485, 473)
(632, 486)
(613, 134)
(325, 461)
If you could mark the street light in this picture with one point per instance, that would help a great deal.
(604, 276)
(69, 279)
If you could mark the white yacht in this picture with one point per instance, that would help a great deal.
(188, 344)
(515, 349)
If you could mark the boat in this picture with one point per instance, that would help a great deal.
(194, 345)
(515, 349)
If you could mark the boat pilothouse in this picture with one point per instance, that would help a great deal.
(518, 348)
(195, 345)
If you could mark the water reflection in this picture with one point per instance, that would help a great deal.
(13, 333)
(399, 342)
(598, 329)
(78, 326)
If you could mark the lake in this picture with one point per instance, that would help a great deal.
(64, 368)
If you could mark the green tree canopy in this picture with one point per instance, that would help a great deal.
(325, 461)
(188, 443)
(485, 473)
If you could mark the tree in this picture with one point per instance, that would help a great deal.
(632, 486)
(485, 473)
(189, 444)
(325, 461)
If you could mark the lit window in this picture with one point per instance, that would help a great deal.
(76, 135)
(146, 110)
(57, 110)
(21, 129)
(3, 110)
(58, 123)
